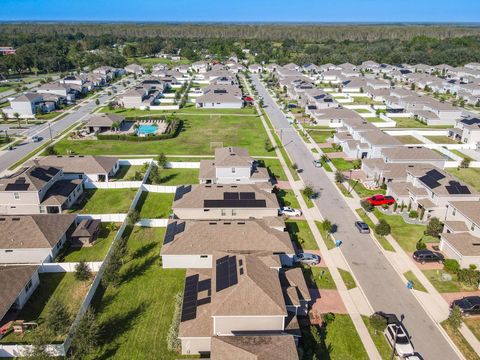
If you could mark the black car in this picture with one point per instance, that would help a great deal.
(469, 305)
(424, 256)
(362, 227)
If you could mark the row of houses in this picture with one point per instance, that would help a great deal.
(241, 296)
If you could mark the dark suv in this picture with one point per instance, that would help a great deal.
(469, 305)
(424, 256)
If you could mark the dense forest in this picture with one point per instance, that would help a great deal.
(62, 47)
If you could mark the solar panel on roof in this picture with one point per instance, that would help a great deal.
(190, 294)
(16, 187)
(234, 203)
(247, 196)
(230, 196)
(226, 272)
(455, 187)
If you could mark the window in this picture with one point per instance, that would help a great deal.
(203, 256)
(224, 212)
(233, 170)
(234, 212)
(28, 286)
(8, 251)
(454, 211)
(42, 210)
(16, 195)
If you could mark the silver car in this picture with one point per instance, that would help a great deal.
(362, 227)
(307, 259)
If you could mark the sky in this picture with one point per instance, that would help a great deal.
(242, 11)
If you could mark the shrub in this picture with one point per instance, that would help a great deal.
(385, 206)
(469, 276)
(173, 342)
(328, 318)
(413, 214)
(420, 245)
(455, 318)
(434, 227)
(395, 206)
(162, 160)
(378, 323)
(366, 205)
(86, 339)
(383, 186)
(82, 271)
(133, 216)
(339, 177)
(451, 266)
(465, 163)
(308, 192)
(383, 228)
(50, 150)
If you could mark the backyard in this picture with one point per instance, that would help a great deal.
(441, 139)
(243, 131)
(61, 286)
(470, 176)
(104, 201)
(301, 235)
(155, 205)
(407, 122)
(138, 312)
(178, 176)
(408, 139)
(128, 172)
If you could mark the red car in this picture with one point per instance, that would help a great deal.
(378, 200)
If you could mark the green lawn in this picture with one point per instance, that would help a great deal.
(342, 164)
(155, 205)
(408, 122)
(320, 137)
(300, 234)
(407, 235)
(462, 344)
(326, 239)
(461, 154)
(104, 201)
(345, 192)
(364, 100)
(308, 200)
(61, 286)
(362, 111)
(318, 277)
(155, 60)
(138, 313)
(287, 198)
(474, 325)
(362, 191)
(190, 109)
(97, 251)
(274, 168)
(347, 279)
(435, 277)
(408, 139)
(417, 285)
(195, 139)
(374, 119)
(127, 172)
(379, 340)
(381, 240)
(441, 140)
(343, 341)
(470, 176)
(178, 176)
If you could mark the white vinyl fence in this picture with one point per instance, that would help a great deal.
(67, 267)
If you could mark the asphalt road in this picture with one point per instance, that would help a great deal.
(381, 284)
(9, 157)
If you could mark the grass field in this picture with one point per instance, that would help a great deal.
(320, 137)
(460, 341)
(379, 340)
(435, 277)
(408, 122)
(318, 277)
(474, 324)
(189, 110)
(470, 176)
(441, 140)
(127, 172)
(178, 176)
(155, 205)
(139, 311)
(287, 198)
(381, 240)
(374, 119)
(342, 164)
(195, 139)
(274, 168)
(301, 235)
(98, 250)
(61, 286)
(104, 201)
(407, 235)
(408, 139)
(347, 279)
(362, 111)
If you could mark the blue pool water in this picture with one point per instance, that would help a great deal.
(147, 129)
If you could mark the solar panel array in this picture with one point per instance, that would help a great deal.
(456, 188)
(236, 199)
(190, 294)
(226, 272)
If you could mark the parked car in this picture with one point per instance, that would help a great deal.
(398, 338)
(424, 256)
(469, 305)
(362, 227)
(378, 200)
(415, 356)
(286, 210)
(307, 259)
(317, 163)
(37, 138)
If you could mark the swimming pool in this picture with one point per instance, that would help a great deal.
(147, 129)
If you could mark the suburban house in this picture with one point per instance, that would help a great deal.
(38, 190)
(204, 201)
(191, 243)
(200, 66)
(134, 69)
(33, 238)
(460, 239)
(136, 98)
(253, 347)
(28, 104)
(255, 68)
(99, 123)
(466, 130)
(232, 165)
(89, 167)
(220, 97)
(412, 155)
(67, 91)
(429, 190)
(241, 295)
(18, 284)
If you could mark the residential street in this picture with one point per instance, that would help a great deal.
(9, 157)
(383, 287)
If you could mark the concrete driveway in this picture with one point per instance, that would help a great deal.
(383, 287)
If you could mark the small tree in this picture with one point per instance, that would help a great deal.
(162, 160)
(4, 116)
(383, 228)
(16, 115)
(86, 339)
(138, 176)
(357, 164)
(97, 102)
(465, 163)
(420, 245)
(451, 266)
(308, 192)
(155, 177)
(327, 226)
(40, 341)
(57, 317)
(132, 217)
(455, 318)
(267, 145)
(82, 271)
(339, 177)
(434, 227)
(395, 206)
(413, 214)
(295, 166)
(50, 150)
(366, 205)
(324, 158)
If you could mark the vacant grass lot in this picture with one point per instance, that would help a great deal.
(194, 139)
(441, 140)
(155, 205)
(104, 201)
(274, 168)
(98, 250)
(379, 340)
(301, 235)
(137, 314)
(470, 176)
(178, 176)
(189, 109)
(61, 286)
(407, 235)
(408, 139)
(435, 277)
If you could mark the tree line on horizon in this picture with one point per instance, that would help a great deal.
(67, 47)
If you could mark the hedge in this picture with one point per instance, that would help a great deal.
(125, 137)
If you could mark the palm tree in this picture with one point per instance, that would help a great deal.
(327, 226)
(16, 115)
